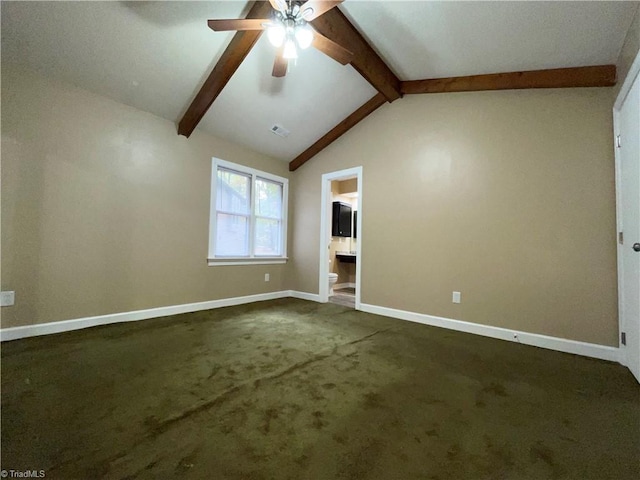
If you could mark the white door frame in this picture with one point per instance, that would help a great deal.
(622, 95)
(325, 233)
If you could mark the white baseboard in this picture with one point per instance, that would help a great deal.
(553, 343)
(15, 333)
(313, 297)
(593, 350)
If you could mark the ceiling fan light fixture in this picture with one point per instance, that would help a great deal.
(290, 51)
(281, 5)
(307, 12)
(304, 36)
(276, 34)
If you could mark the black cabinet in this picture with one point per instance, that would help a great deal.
(341, 220)
(355, 224)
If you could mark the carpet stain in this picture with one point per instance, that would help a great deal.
(495, 389)
(360, 461)
(540, 451)
(234, 418)
(403, 456)
(318, 423)
(269, 415)
(373, 400)
(341, 439)
(315, 394)
(454, 451)
(499, 455)
(153, 424)
(214, 370)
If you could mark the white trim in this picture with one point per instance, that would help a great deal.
(602, 352)
(616, 154)
(618, 179)
(312, 297)
(254, 174)
(358, 286)
(338, 286)
(552, 343)
(628, 82)
(246, 261)
(323, 270)
(15, 333)
(634, 71)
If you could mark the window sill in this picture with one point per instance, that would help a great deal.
(217, 262)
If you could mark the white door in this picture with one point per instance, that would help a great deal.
(628, 123)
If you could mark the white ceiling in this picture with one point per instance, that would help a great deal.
(449, 39)
(155, 55)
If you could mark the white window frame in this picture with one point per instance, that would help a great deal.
(251, 259)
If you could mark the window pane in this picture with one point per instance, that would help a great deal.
(232, 236)
(267, 237)
(234, 192)
(268, 199)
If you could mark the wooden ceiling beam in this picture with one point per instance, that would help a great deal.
(335, 26)
(232, 57)
(598, 76)
(375, 102)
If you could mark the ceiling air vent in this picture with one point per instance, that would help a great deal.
(280, 130)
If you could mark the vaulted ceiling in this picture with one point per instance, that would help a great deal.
(156, 56)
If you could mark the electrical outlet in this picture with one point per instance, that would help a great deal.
(456, 297)
(266, 277)
(7, 298)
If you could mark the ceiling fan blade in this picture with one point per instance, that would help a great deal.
(332, 49)
(280, 64)
(238, 24)
(314, 8)
(280, 5)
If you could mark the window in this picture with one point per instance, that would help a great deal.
(248, 221)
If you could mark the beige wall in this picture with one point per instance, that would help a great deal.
(347, 186)
(105, 208)
(507, 197)
(629, 49)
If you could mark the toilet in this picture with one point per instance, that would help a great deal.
(333, 278)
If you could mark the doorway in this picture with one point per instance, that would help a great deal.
(341, 247)
(626, 114)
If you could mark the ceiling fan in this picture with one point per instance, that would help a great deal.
(289, 30)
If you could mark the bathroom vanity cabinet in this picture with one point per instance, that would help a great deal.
(341, 220)
(355, 224)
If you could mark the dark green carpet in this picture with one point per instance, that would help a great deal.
(290, 389)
